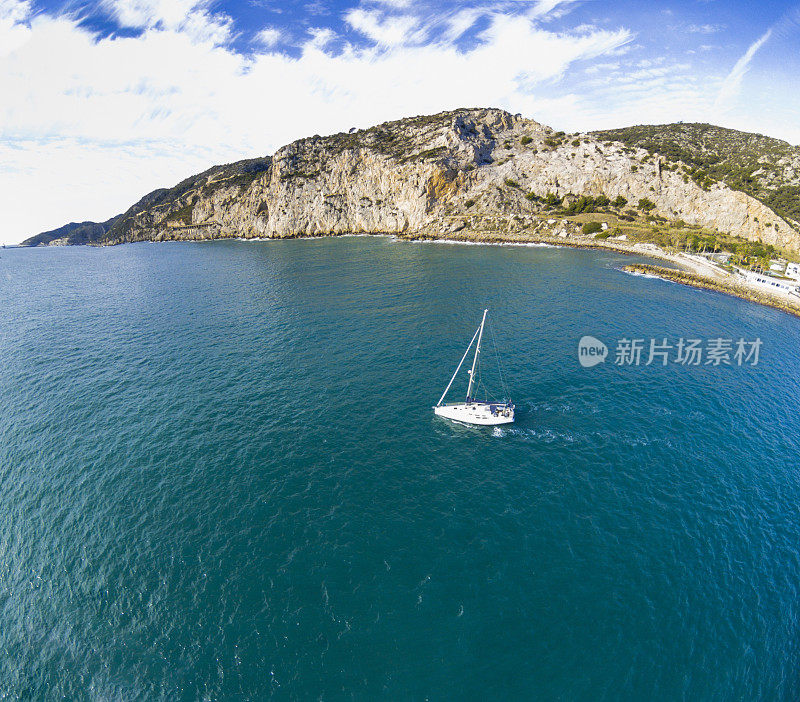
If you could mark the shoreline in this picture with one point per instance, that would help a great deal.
(627, 248)
(690, 271)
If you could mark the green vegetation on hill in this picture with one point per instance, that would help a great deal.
(643, 227)
(676, 235)
(586, 203)
(765, 168)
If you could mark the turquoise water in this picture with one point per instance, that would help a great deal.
(221, 478)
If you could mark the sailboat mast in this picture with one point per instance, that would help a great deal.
(475, 360)
(458, 368)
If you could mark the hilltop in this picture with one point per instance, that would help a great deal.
(479, 173)
(765, 168)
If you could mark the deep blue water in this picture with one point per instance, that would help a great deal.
(221, 478)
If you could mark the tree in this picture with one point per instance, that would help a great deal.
(592, 228)
(646, 205)
(619, 202)
(583, 204)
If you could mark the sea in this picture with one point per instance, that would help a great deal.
(221, 477)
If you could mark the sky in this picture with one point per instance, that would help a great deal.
(104, 101)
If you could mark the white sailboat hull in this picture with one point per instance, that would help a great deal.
(483, 413)
(473, 411)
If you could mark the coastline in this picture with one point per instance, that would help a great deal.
(573, 242)
(690, 270)
(728, 287)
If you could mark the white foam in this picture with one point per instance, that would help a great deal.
(458, 242)
(646, 275)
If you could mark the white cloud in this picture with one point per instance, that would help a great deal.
(45, 183)
(705, 28)
(550, 9)
(385, 30)
(596, 68)
(269, 37)
(397, 4)
(647, 63)
(191, 17)
(14, 30)
(459, 23)
(732, 84)
(659, 91)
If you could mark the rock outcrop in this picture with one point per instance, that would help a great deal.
(472, 170)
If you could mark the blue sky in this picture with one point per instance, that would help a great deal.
(107, 100)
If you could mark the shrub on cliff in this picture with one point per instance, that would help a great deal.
(646, 205)
(592, 228)
(586, 203)
(582, 204)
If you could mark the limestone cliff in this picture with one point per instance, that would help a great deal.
(471, 170)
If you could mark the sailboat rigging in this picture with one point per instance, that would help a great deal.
(474, 411)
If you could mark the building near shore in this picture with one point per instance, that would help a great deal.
(768, 282)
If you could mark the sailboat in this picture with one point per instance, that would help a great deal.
(473, 411)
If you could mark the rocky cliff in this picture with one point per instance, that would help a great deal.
(765, 168)
(471, 171)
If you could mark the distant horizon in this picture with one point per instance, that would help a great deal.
(146, 92)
